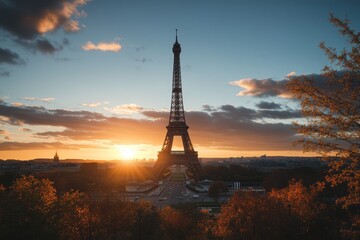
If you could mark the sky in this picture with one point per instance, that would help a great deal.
(92, 79)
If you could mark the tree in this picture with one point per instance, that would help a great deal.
(315, 219)
(72, 216)
(26, 208)
(254, 216)
(332, 112)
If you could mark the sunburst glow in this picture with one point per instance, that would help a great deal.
(126, 152)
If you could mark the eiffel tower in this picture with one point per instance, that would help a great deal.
(177, 127)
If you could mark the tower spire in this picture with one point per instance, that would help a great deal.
(176, 34)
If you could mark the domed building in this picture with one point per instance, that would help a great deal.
(56, 159)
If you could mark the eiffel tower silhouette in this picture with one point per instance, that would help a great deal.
(177, 127)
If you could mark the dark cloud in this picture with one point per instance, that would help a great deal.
(12, 146)
(4, 73)
(44, 46)
(9, 57)
(27, 19)
(138, 49)
(278, 88)
(268, 105)
(274, 114)
(39, 45)
(208, 108)
(63, 59)
(66, 42)
(226, 127)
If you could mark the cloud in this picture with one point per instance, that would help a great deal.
(262, 88)
(285, 114)
(126, 109)
(278, 88)
(9, 57)
(29, 19)
(102, 46)
(4, 73)
(291, 74)
(94, 104)
(268, 105)
(47, 100)
(208, 108)
(44, 46)
(226, 127)
(17, 104)
(3, 132)
(16, 146)
(26, 130)
(41, 45)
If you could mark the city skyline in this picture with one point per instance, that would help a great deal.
(92, 79)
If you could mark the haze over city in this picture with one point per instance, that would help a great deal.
(92, 79)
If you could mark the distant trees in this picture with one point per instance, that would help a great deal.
(216, 188)
(232, 173)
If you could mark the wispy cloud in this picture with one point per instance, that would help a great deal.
(47, 100)
(102, 46)
(95, 104)
(125, 109)
(12, 146)
(9, 57)
(3, 132)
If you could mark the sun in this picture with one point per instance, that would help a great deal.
(126, 152)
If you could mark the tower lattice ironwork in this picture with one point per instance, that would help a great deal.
(177, 127)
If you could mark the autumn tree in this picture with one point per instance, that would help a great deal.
(332, 111)
(254, 216)
(26, 208)
(316, 220)
(72, 216)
